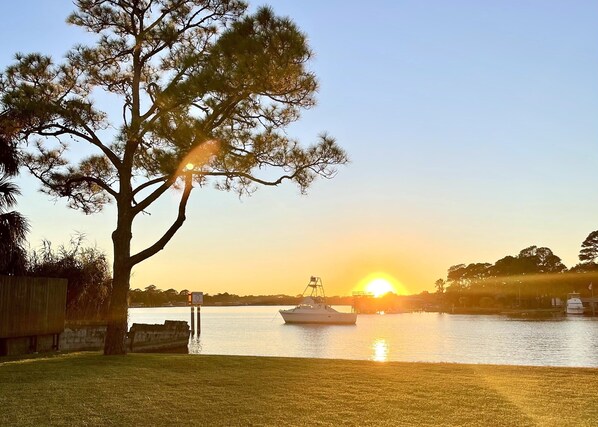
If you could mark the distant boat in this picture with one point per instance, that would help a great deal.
(313, 308)
(574, 304)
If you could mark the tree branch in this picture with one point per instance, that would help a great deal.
(235, 174)
(186, 27)
(93, 180)
(150, 183)
(219, 112)
(159, 245)
(90, 137)
(157, 193)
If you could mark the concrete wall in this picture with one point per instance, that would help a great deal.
(169, 336)
(172, 335)
(81, 338)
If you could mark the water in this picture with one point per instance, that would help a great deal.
(411, 337)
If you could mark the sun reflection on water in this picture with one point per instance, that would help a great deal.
(380, 350)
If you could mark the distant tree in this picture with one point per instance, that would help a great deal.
(584, 267)
(206, 92)
(169, 296)
(531, 260)
(507, 266)
(136, 296)
(542, 260)
(477, 271)
(151, 295)
(463, 276)
(579, 277)
(439, 284)
(455, 274)
(589, 248)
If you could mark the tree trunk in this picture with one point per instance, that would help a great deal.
(118, 312)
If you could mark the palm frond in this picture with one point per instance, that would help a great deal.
(13, 231)
(8, 193)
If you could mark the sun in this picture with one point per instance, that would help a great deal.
(379, 283)
(379, 287)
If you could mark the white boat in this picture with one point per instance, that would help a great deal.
(574, 304)
(313, 308)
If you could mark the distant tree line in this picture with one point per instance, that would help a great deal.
(154, 297)
(530, 279)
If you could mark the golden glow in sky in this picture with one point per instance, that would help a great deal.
(380, 284)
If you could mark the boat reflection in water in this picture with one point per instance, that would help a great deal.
(313, 308)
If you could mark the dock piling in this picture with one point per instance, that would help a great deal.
(192, 320)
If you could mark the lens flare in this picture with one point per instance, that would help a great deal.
(200, 156)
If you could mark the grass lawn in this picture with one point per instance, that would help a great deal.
(158, 389)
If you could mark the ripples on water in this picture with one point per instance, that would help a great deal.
(413, 337)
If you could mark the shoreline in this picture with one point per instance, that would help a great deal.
(29, 358)
(538, 313)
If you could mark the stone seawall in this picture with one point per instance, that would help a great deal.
(171, 336)
(81, 338)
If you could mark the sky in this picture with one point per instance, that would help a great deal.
(471, 127)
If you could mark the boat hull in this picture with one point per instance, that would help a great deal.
(574, 306)
(319, 318)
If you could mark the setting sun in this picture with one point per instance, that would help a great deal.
(379, 287)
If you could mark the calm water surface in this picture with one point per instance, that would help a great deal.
(413, 337)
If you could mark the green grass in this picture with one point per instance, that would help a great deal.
(152, 389)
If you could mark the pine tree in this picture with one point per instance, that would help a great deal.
(206, 91)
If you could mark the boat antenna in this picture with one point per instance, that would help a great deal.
(317, 289)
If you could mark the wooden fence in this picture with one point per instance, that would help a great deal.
(31, 306)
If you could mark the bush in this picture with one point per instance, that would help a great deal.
(88, 274)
